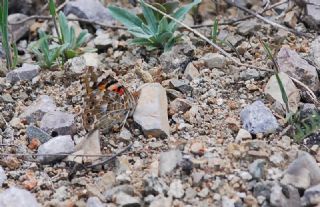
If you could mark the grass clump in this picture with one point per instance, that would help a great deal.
(151, 29)
(50, 50)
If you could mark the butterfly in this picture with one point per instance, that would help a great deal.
(107, 102)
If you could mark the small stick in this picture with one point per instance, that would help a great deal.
(54, 154)
(267, 20)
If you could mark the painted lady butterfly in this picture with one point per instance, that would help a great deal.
(107, 102)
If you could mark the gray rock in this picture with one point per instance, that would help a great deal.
(36, 111)
(293, 93)
(127, 189)
(3, 68)
(28, 7)
(303, 172)
(6, 98)
(103, 41)
(311, 196)
(176, 189)
(169, 161)
(256, 168)
(151, 111)
(37, 133)
(243, 135)
(26, 72)
(257, 118)
(227, 202)
(181, 85)
(291, 198)
(248, 27)
(94, 202)
(161, 202)
(179, 105)
(276, 158)
(315, 51)
(94, 11)
(17, 31)
(191, 72)
(197, 178)
(126, 200)
(177, 58)
(154, 186)
(291, 63)
(312, 17)
(60, 144)
(250, 73)
(263, 189)
(16, 197)
(3, 176)
(76, 65)
(234, 39)
(58, 123)
(214, 60)
(190, 193)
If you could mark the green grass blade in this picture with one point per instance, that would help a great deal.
(125, 17)
(52, 8)
(150, 17)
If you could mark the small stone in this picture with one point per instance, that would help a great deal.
(315, 51)
(245, 175)
(198, 148)
(191, 72)
(276, 158)
(181, 85)
(36, 133)
(76, 65)
(161, 202)
(178, 57)
(56, 145)
(103, 41)
(257, 118)
(292, 64)
(214, 60)
(151, 111)
(6, 98)
(17, 31)
(36, 111)
(256, 168)
(26, 72)
(311, 196)
(58, 123)
(94, 202)
(125, 134)
(179, 105)
(242, 136)
(95, 11)
(15, 197)
(122, 165)
(92, 59)
(173, 94)
(285, 196)
(250, 200)
(126, 200)
(126, 189)
(248, 27)
(176, 189)
(251, 74)
(312, 17)
(273, 90)
(168, 161)
(197, 178)
(10, 162)
(3, 176)
(291, 19)
(303, 172)
(154, 185)
(227, 202)
(203, 193)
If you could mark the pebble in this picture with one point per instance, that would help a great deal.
(60, 144)
(26, 72)
(103, 41)
(311, 196)
(176, 189)
(257, 118)
(245, 175)
(94, 202)
(58, 123)
(168, 161)
(191, 72)
(256, 168)
(36, 111)
(123, 199)
(37, 133)
(6, 98)
(154, 185)
(198, 148)
(151, 111)
(227, 202)
(291, 198)
(291, 63)
(248, 27)
(214, 60)
(276, 158)
(181, 85)
(16, 197)
(242, 136)
(161, 202)
(179, 105)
